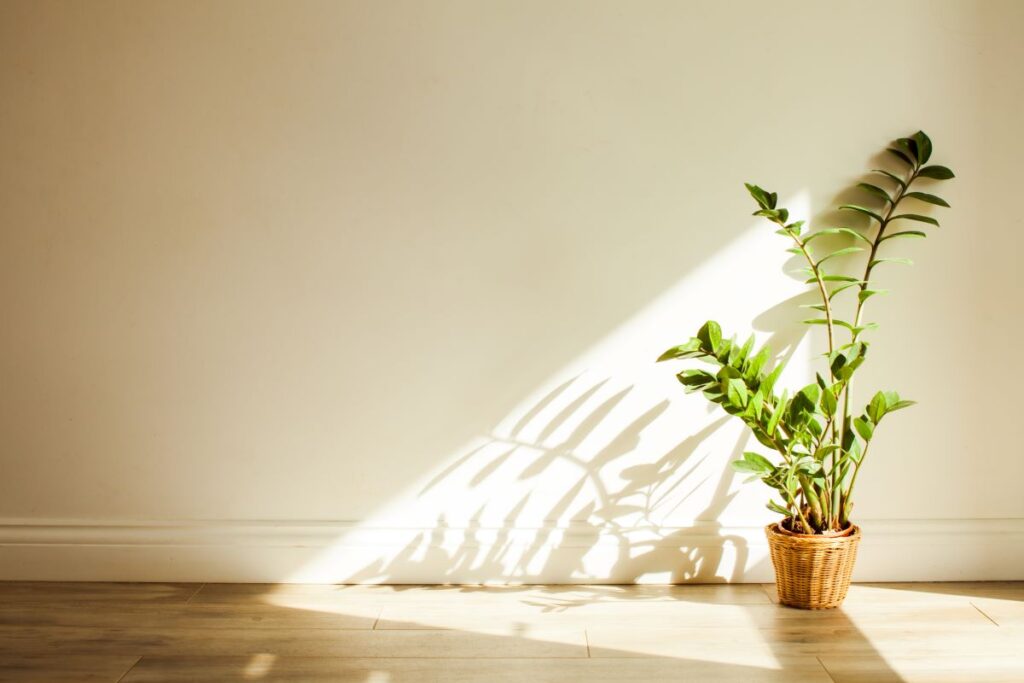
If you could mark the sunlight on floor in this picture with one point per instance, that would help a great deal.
(260, 665)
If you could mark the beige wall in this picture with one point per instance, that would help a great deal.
(401, 265)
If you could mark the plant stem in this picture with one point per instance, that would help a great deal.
(865, 280)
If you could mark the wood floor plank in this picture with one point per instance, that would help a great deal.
(38, 592)
(522, 642)
(681, 614)
(405, 670)
(49, 668)
(551, 597)
(737, 644)
(926, 669)
(146, 615)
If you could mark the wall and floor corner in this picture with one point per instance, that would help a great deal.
(371, 292)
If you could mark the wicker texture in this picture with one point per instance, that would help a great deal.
(812, 572)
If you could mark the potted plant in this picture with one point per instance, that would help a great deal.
(816, 440)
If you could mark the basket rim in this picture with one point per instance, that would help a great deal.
(776, 533)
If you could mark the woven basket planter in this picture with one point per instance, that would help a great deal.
(811, 571)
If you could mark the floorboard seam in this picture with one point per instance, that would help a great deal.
(135, 664)
(984, 614)
(195, 593)
(827, 672)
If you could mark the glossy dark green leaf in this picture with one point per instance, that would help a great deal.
(904, 233)
(936, 173)
(903, 156)
(875, 190)
(929, 198)
(924, 147)
(915, 217)
(892, 176)
(760, 196)
(862, 210)
(910, 145)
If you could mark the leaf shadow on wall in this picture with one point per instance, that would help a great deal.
(605, 503)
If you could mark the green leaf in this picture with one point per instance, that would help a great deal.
(936, 173)
(828, 402)
(775, 507)
(840, 288)
(756, 405)
(695, 378)
(746, 349)
(904, 261)
(838, 231)
(915, 217)
(777, 215)
(840, 278)
(924, 147)
(837, 253)
(762, 198)
(757, 363)
(877, 407)
(902, 156)
(891, 176)
(875, 190)
(844, 363)
(768, 383)
(710, 335)
(736, 391)
(759, 460)
(900, 405)
(925, 197)
(745, 466)
(864, 428)
(690, 349)
(904, 233)
(861, 209)
(815, 321)
(866, 294)
(773, 421)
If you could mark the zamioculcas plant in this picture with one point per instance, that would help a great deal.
(815, 440)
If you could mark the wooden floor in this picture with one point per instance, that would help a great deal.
(130, 633)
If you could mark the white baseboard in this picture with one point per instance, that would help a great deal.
(349, 552)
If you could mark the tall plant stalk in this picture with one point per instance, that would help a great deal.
(820, 443)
